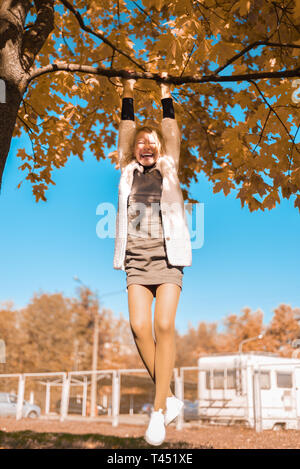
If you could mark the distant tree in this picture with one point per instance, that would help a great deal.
(124, 351)
(196, 342)
(10, 334)
(54, 333)
(46, 325)
(246, 326)
(282, 330)
(114, 333)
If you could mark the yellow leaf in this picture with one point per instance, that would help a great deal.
(244, 7)
(296, 12)
(297, 202)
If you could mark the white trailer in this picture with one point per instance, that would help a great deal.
(259, 390)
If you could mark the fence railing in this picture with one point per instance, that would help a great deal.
(265, 395)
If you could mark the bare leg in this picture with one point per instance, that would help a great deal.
(167, 297)
(140, 315)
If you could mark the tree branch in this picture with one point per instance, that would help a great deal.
(35, 37)
(188, 59)
(251, 46)
(262, 132)
(61, 66)
(99, 34)
(273, 110)
(146, 14)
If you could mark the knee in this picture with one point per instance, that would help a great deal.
(163, 327)
(140, 328)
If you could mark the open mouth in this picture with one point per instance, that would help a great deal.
(147, 155)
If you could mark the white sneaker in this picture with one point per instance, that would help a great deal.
(156, 432)
(173, 408)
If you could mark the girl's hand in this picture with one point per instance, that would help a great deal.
(129, 82)
(164, 87)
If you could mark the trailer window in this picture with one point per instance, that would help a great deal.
(218, 379)
(221, 379)
(284, 380)
(265, 381)
(231, 379)
(207, 379)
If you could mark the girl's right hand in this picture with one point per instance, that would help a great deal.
(165, 87)
(129, 82)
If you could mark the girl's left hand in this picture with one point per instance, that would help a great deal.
(165, 88)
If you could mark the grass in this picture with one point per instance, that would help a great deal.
(28, 439)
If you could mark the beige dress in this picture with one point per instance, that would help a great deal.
(146, 261)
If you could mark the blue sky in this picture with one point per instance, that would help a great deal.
(247, 259)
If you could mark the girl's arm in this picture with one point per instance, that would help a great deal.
(166, 99)
(127, 125)
(169, 126)
(168, 108)
(127, 109)
(127, 99)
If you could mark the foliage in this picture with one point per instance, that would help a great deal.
(54, 333)
(204, 45)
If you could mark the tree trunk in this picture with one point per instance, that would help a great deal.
(8, 116)
(12, 18)
(18, 49)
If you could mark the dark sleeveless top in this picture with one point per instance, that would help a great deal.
(146, 186)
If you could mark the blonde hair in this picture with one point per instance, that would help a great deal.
(151, 129)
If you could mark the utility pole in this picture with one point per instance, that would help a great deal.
(95, 345)
(239, 369)
(95, 349)
(95, 362)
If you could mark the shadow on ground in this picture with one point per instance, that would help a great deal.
(35, 440)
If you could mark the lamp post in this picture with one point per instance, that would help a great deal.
(239, 370)
(260, 336)
(296, 346)
(95, 347)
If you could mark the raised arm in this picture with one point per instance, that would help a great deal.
(169, 126)
(127, 125)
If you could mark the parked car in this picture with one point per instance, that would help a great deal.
(75, 406)
(190, 410)
(146, 409)
(8, 406)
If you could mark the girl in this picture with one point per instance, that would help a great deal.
(152, 244)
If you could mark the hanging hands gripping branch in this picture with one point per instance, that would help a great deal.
(127, 127)
(169, 126)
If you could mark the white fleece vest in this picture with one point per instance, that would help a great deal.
(174, 221)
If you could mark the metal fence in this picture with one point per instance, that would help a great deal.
(264, 396)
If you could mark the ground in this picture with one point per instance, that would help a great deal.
(194, 436)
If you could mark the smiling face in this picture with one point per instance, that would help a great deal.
(146, 148)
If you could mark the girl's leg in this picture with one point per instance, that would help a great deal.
(140, 315)
(167, 297)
